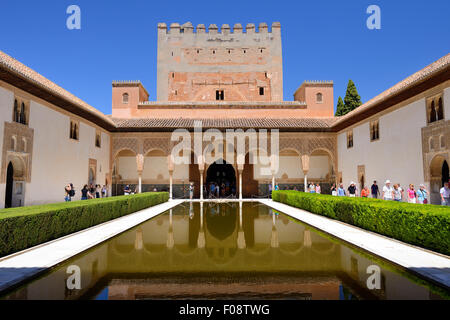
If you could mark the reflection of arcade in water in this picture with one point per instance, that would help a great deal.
(238, 250)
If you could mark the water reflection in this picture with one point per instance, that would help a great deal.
(210, 250)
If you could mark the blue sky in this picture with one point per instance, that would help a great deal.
(322, 40)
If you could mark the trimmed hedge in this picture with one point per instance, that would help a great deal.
(427, 226)
(22, 228)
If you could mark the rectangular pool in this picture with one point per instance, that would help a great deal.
(225, 251)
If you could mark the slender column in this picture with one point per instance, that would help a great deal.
(306, 181)
(201, 185)
(240, 185)
(170, 185)
(273, 182)
(305, 168)
(140, 182)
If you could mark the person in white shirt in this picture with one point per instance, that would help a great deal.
(445, 195)
(388, 191)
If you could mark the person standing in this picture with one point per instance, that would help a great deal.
(375, 190)
(411, 194)
(334, 190)
(445, 195)
(341, 190)
(365, 192)
(104, 191)
(312, 189)
(352, 190)
(397, 193)
(318, 189)
(84, 192)
(422, 195)
(127, 190)
(191, 190)
(401, 190)
(68, 190)
(388, 191)
(98, 191)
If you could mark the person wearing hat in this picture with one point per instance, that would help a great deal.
(422, 194)
(352, 190)
(388, 191)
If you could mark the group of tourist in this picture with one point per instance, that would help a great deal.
(88, 192)
(393, 192)
(218, 190)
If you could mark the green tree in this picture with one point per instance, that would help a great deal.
(352, 99)
(340, 108)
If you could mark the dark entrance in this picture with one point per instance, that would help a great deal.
(9, 185)
(223, 175)
(445, 173)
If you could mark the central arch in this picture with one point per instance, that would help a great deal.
(223, 174)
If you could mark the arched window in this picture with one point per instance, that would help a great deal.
(125, 98)
(23, 119)
(319, 97)
(75, 131)
(16, 111)
(432, 112)
(440, 109)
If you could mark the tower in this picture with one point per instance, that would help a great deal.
(219, 65)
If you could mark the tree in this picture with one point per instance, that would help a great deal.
(352, 99)
(340, 108)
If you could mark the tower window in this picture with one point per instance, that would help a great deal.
(220, 95)
(261, 91)
(319, 98)
(125, 98)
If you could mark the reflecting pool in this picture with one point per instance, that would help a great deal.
(225, 251)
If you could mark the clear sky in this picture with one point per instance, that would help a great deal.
(322, 40)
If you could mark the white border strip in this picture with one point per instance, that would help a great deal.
(25, 264)
(433, 266)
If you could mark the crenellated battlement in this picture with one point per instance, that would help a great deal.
(188, 28)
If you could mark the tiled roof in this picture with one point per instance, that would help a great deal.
(20, 69)
(258, 123)
(417, 77)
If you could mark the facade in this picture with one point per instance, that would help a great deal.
(224, 80)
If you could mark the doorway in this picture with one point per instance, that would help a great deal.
(9, 185)
(221, 174)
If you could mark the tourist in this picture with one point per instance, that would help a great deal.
(334, 190)
(91, 193)
(98, 191)
(84, 192)
(318, 189)
(397, 194)
(212, 190)
(341, 190)
(191, 190)
(104, 191)
(401, 190)
(277, 187)
(445, 195)
(295, 188)
(411, 194)
(352, 190)
(68, 190)
(375, 190)
(387, 190)
(312, 188)
(365, 192)
(127, 190)
(422, 195)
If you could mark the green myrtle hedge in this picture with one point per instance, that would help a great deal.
(427, 226)
(22, 228)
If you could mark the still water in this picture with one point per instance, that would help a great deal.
(225, 251)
